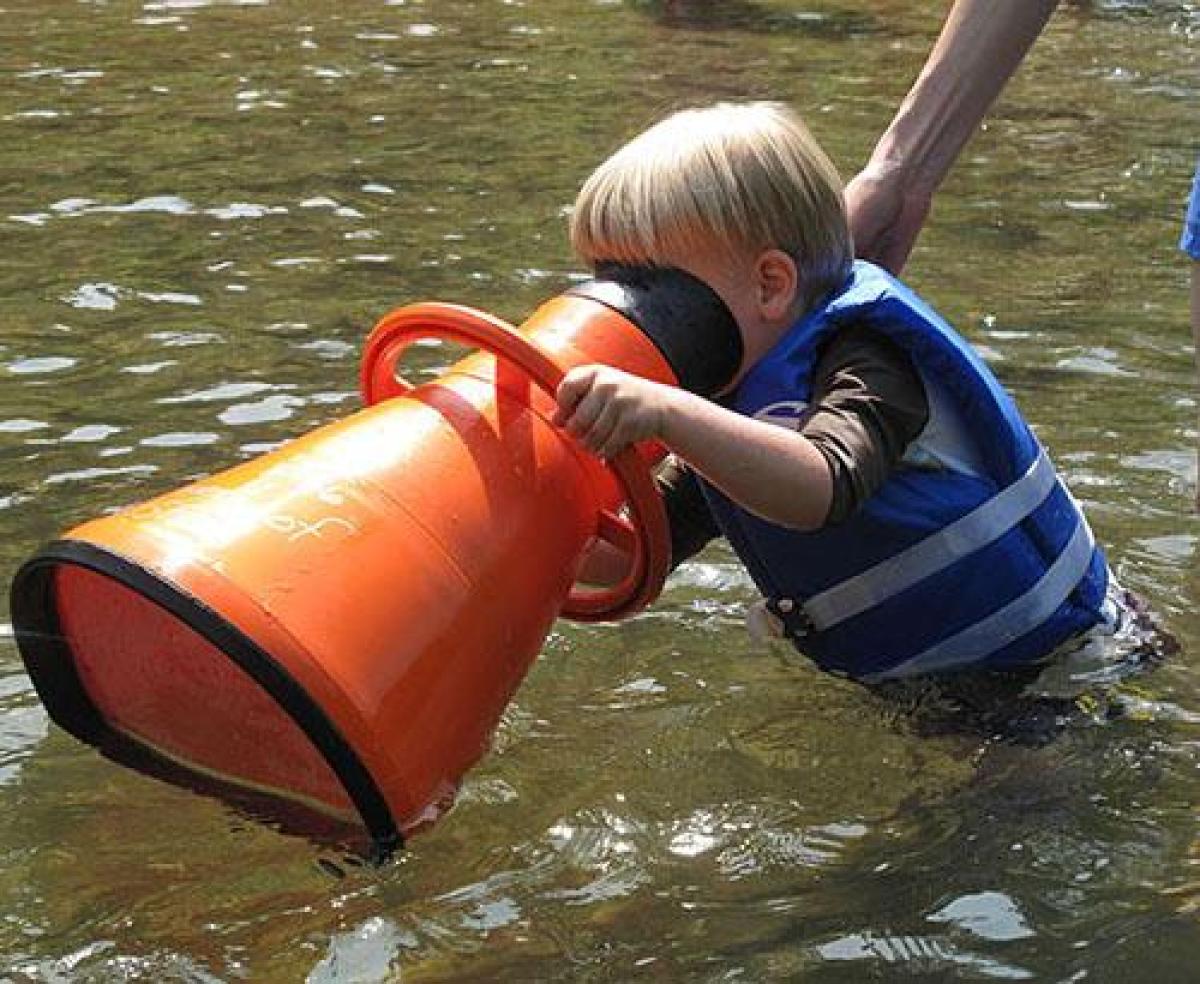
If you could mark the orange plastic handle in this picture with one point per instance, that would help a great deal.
(643, 534)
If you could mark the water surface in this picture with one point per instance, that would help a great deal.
(204, 206)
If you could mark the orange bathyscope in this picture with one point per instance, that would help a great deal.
(339, 623)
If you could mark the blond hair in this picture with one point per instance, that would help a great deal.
(740, 177)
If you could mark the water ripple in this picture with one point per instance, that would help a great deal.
(94, 297)
(245, 210)
(41, 365)
(770, 840)
(37, 114)
(149, 368)
(989, 915)
(23, 725)
(183, 339)
(21, 425)
(368, 953)
(221, 392)
(1095, 362)
(66, 75)
(169, 297)
(273, 408)
(155, 204)
(177, 205)
(106, 297)
(918, 954)
(185, 5)
(181, 439)
(328, 348)
(88, 433)
(91, 474)
(251, 99)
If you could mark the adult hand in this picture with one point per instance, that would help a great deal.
(885, 216)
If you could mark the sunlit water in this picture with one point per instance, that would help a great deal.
(203, 208)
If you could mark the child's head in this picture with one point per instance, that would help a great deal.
(731, 181)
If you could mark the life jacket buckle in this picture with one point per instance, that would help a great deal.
(796, 621)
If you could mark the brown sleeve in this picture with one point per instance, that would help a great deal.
(868, 405)
(691, 521)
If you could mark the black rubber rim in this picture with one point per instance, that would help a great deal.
(687, 321)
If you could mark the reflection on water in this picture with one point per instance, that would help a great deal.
(203, 208)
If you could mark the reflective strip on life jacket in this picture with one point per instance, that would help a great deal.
(981, 526)
(1003, 626)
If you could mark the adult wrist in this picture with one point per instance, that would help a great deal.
(899, 165)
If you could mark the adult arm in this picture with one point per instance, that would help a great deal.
(979, 48)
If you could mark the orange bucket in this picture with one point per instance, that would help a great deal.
(339, 623)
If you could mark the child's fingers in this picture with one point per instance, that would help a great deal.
(583, 417)
(622, 436)
(591, 408)
(603, 437)
(575, 385)
(593, 421)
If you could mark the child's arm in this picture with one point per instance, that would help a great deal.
(868, 405)
(771, 471)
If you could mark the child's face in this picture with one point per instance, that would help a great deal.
(760, 291)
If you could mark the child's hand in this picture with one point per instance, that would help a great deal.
(607, 409)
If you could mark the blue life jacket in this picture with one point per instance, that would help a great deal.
(972, 554)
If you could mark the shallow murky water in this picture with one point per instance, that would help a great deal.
(203, 208)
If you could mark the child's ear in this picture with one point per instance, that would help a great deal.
(777, 282)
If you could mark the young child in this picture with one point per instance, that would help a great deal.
(881, 487)
(1189, 242)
